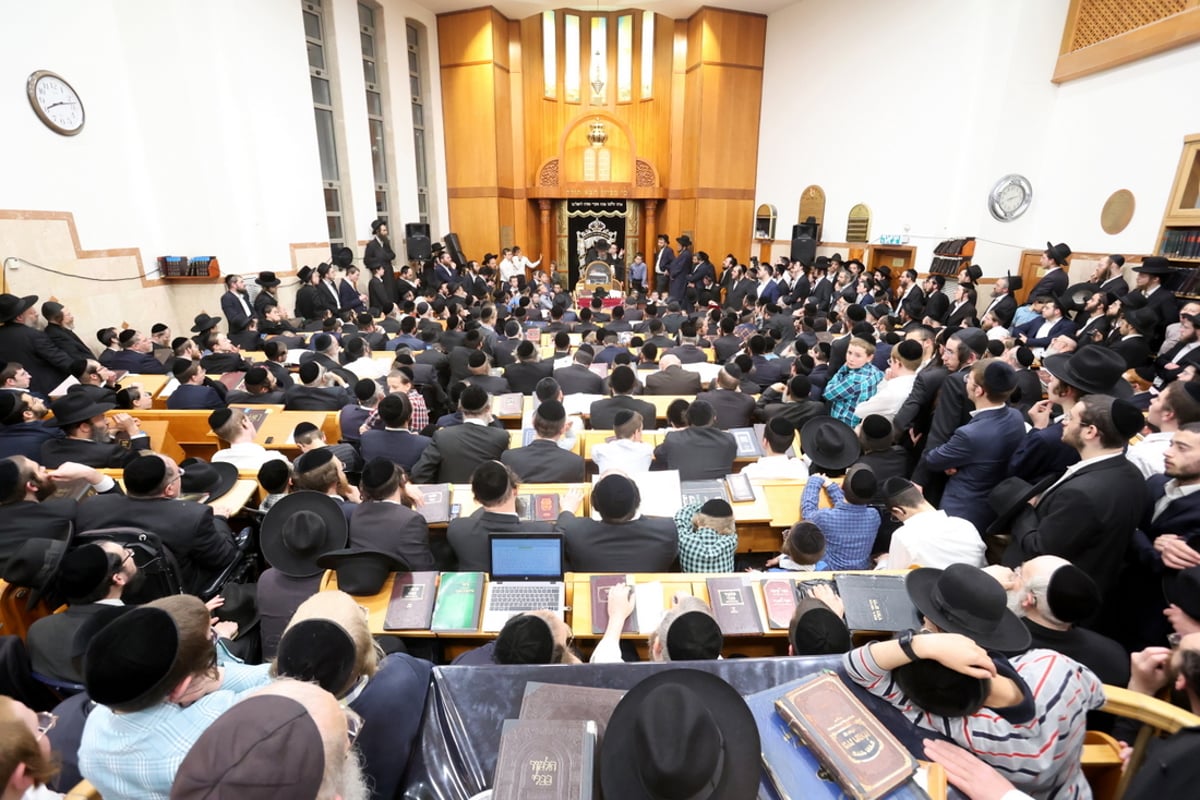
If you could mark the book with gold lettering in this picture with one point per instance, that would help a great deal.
(876, 602)
(436, 497)
(851, 744)
(560, 701)
(779, 598)
(733, 605)
(410, 607)
(545, 760)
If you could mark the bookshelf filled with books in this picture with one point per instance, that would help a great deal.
(952, 256)
(1179, 236)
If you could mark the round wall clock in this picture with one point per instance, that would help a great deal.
(55, 103)
(1010, 197)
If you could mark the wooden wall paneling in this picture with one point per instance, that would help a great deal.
(1174, 31)
(728, 152)
(671, 219)
(731, 37)
(476, 220)
(503, 114)
(459, 39)
(470, 125)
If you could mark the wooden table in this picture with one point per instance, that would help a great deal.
(149, 383)
(161, 440)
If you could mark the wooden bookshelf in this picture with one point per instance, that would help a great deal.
(1179, 236)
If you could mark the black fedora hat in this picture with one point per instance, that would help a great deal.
(1009, 498)
(343, 257)
(304, 273)
(681, 733)
(1079, 293)
(299, 529)
(267, 279)
(12, 306)
(1092, 370)
(965, 599)
(35, 565)
(201, 477)
(76, 407)
(204, 322)
(1142, 320)
(830, 443)
(1059, 253)
(684, 240)
(974, 271)
(1154, 265)
(361, 572)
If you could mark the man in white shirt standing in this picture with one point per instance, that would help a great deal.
(233, 426)
(1170, 409)
(903, 364)
(521, 265)
(927, 537)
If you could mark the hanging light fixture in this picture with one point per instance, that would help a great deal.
(597, 77)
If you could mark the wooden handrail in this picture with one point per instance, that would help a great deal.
(1147, 710)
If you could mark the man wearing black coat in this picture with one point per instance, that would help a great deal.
(698, 451)
(235, 304)
(542, 460)
(380, 255)
(663, 258)
(197, 535)
(493, 486)
(618, 542)
(88, 438)
(1088, 515)
(622, 382)
(455, 451)
(59, 322)
(680, 269)
(578, 378)
(382, 522)
(524, 375)
(48, 366)
(732, 407)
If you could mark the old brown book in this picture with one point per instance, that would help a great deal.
(545, 760)
(559, 701)
(410, 608)
(864, 757)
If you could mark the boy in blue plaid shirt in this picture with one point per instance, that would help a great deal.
(856, 381)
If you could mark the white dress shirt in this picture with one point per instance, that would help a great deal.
(934, 539)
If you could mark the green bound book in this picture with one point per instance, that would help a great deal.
(459, 597)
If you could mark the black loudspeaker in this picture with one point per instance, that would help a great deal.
(804, 249)
(454, 249)
(412, 229)
(419, 248)
(803, 228)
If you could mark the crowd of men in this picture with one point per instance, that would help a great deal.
(1035, 461)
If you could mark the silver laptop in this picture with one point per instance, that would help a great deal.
(525, 574)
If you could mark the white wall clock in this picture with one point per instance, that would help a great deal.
(55, 102)
(1010, 197)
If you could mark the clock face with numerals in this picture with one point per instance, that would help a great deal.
(55, 103)
(1010, 197)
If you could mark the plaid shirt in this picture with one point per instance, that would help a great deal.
(420, 413)
(135, 756)
(703, 549)
(849, 529)
(849, 387)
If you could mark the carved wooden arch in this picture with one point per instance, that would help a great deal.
(645, 173)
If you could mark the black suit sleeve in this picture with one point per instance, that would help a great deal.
(212, 544)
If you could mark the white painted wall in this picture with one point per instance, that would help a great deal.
(916, 107)
(200, 137)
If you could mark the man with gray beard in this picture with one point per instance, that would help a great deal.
(289, 739)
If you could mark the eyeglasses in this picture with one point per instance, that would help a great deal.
(1173, 640)
(354, 724)
(45, 723)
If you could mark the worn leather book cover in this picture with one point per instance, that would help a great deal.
(865, 759)
(459, 597)
(436, 497)
(558, 701)
(410, 608)
(545, 760)
(779, 597)
(876, 603)
(600, 586)
(701, 491)
(732, 602)
(749, 443)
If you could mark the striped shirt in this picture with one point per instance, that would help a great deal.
(1038, 744)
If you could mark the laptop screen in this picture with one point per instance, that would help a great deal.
(526, 557)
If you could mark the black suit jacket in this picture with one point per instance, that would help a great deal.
(402, 447)
(201, 543)
(47, 519)
(697, 453)
(48, 366)
(312, 398)
(1118, 286)
(578, 379)
(937, 306)
(1087, 519)
(734, 409)
(56, 452)
(395, 529)
(468, 536)
(235, 315)
(456, 451)
(603, 413)
(543, 461)
(649, 544)
(66, 340)
(492, 384)
(523, 376)
(1054, 283)
(1135, 351)
(1004, 309)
